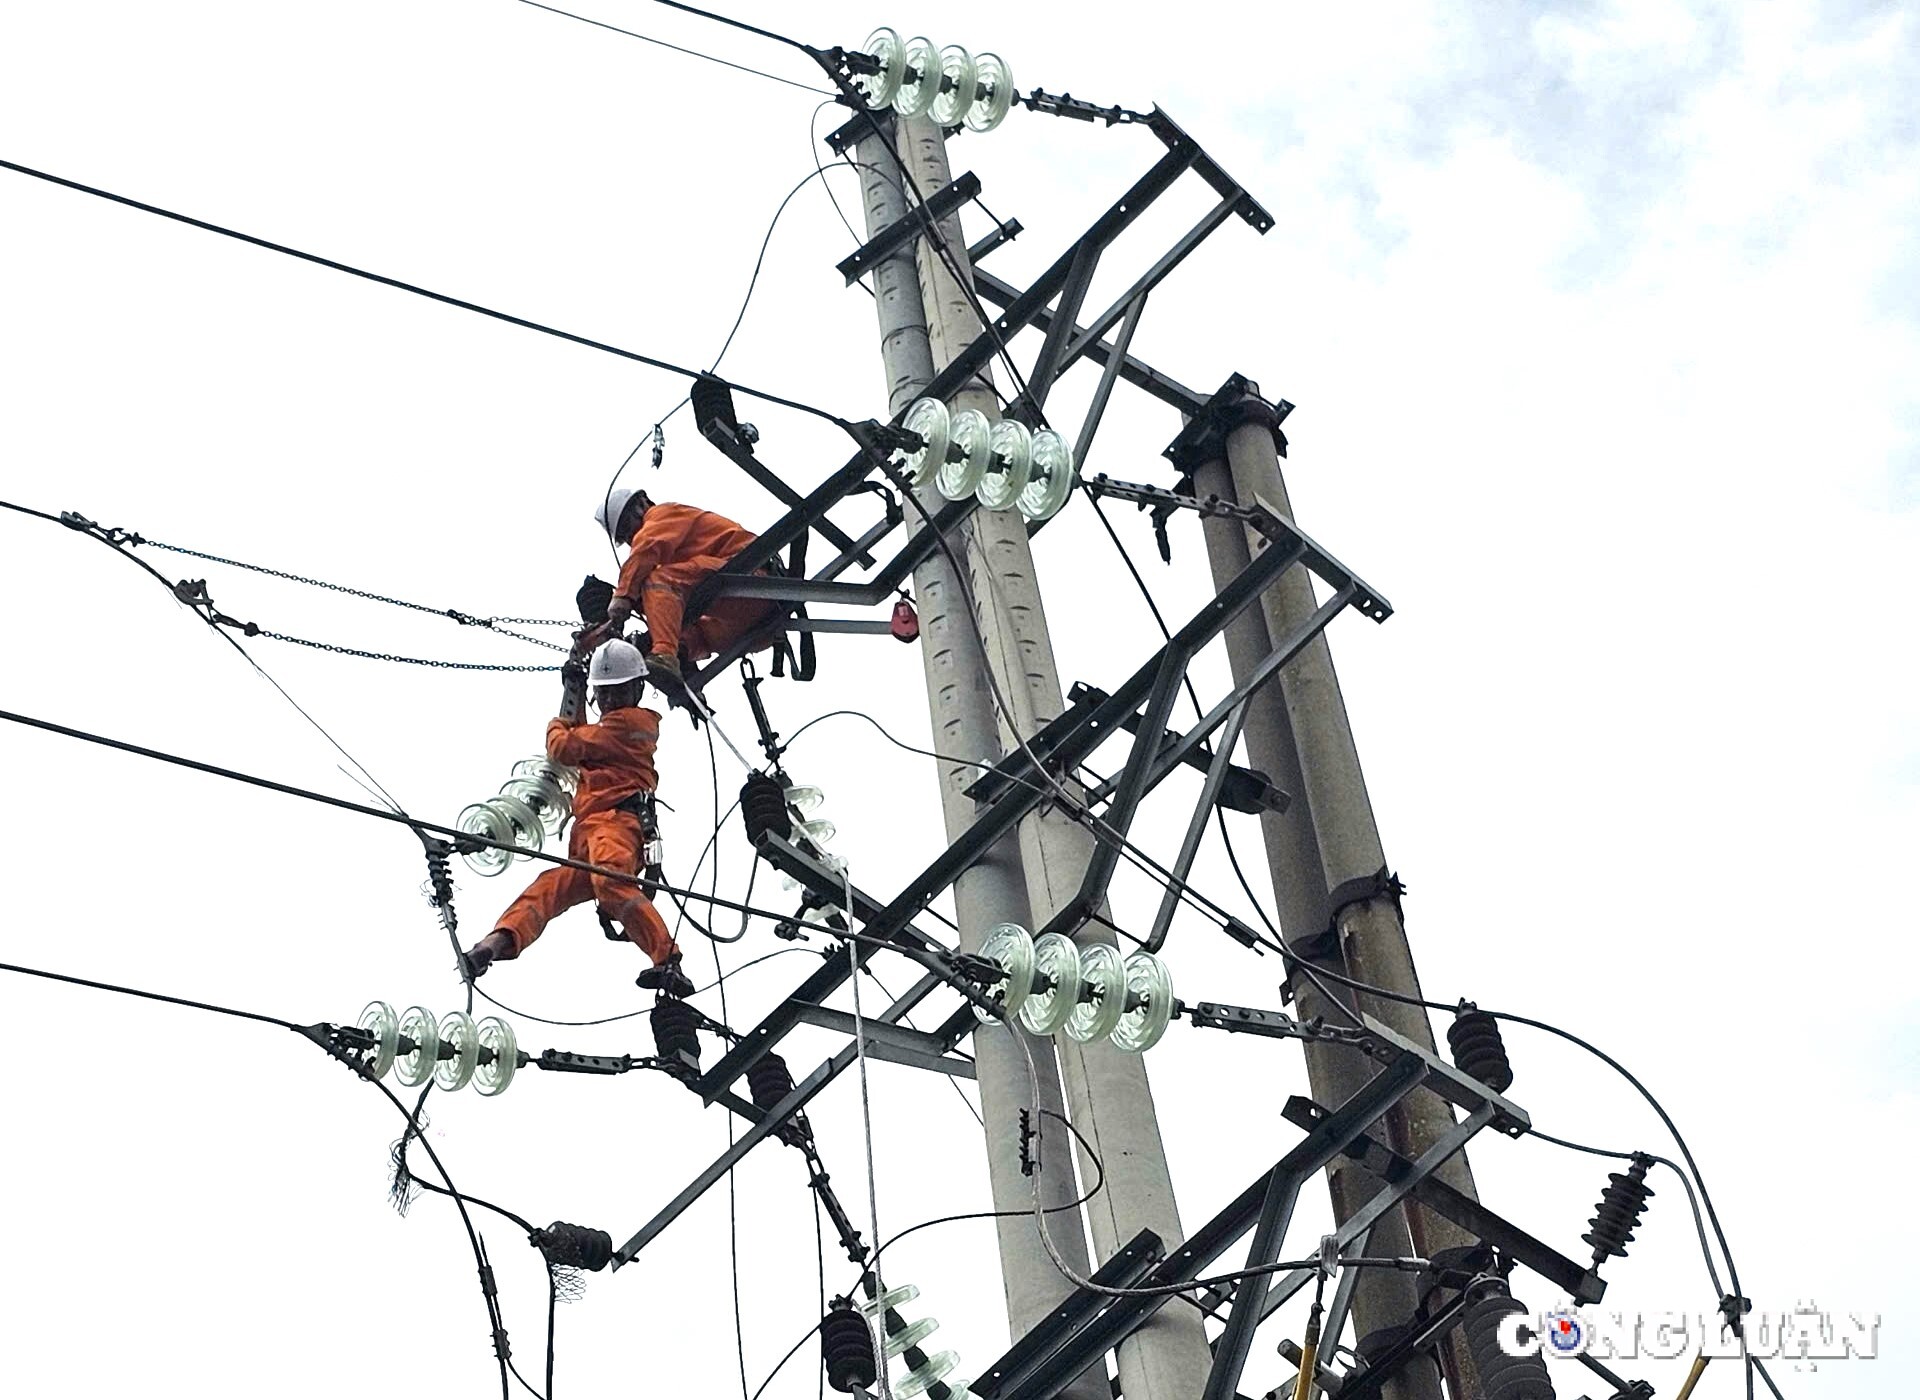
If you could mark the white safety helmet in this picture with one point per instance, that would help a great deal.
(616, 663)
(612, 506)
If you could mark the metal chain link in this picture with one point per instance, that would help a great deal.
(464, 619)
(390, 656)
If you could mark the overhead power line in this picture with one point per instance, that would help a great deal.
(417, 290)
(691, 53)
(400, 818)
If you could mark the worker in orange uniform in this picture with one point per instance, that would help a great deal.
(615, 759)
(671, 548)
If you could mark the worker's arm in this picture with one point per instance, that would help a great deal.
(595, 744)
(661, 538)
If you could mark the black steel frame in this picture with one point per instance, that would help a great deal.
(1051, 304)
(1006, 795)
(1088, 1323)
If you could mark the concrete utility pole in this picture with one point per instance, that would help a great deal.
(1350, 895)
(1382, 1298)
(993, 890)
(1167, 1359)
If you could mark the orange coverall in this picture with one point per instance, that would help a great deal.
(673, 550)
(615, 759)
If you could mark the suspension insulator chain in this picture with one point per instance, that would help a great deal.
(1621, 1206)
(1477, 1049)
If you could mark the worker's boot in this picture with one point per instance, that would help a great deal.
(666, 978)
(495, 947)
(667, 664)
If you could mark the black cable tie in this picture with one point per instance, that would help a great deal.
(1026, 1142)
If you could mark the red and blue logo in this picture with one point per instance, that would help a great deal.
(1565, 1334)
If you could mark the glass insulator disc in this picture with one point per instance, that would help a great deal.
(1011, 947)
(1052, 480)
(1056, 984)
(993, 92)
(378, 1018)
(1149, 1003)
(1009, 464)
(966, 461)
(1103, 997)
(457, 1030)
(957, 87)
(496, 1035)
(414, 1067)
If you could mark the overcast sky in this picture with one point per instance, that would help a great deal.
(1603, 321)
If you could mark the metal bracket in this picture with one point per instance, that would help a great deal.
(939, 205)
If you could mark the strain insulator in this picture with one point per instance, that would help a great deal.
(575, 1246)
(846, 1348)
(1502, 1376)
(1474, 1039)
(1621, 1206)
(676, 1031)
(763, 807)
(769, 1081)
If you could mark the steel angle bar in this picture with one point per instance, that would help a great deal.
(1109, 372)
(936, 206)
(1012, 1372)
(824, 980)
(1073, 293)
(901, 1044)
(725, 1162)
(1120, 1317)
(772, 1121)
(1028, 304)
(1197, 825)
(1130, 786)
(1341, 1303)
(1458, 1088)
(1134, 370)
(1383, 1200)
(866, 627)
(1583, 1284)
(1081, 730)
(1001, 235)
(1096, 331)
(1208, 169)
(1290, 646)
(1305, 1160)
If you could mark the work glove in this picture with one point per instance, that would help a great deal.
(618, 611)
(495, 947)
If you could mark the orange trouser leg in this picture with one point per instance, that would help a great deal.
(558, 889)
(663, 599)
(613, 840)
(726, 622)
